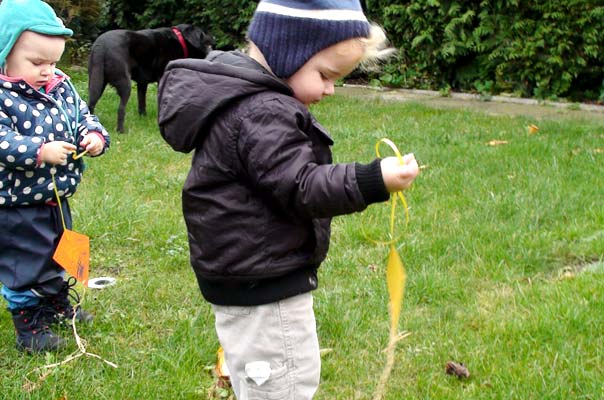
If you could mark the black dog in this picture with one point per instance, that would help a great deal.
(120, 55)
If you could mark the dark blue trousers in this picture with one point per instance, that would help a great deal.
(28, 238)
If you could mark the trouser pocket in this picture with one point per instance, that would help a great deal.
(276, 387)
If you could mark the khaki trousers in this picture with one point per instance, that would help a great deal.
(271, 350)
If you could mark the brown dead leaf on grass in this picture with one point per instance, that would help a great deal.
(457, 369)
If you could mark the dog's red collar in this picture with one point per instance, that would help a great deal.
(181, 40)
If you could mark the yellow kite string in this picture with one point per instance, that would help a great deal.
(76, 156)
(395, 277)
(54, 184)
(397, 195)
(81, 343)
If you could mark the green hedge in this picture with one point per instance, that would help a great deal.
(540, 48)
(82, 16)
(226, 20)
(534, 48)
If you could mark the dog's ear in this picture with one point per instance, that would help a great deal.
(197, 39)
(207, 40)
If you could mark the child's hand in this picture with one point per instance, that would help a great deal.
(92, 143)
(56, 152)
(396, 176)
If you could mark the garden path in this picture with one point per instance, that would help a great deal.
(496, 105)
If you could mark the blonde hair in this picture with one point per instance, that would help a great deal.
(375, 48)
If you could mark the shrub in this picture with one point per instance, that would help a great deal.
(226, 20)
(535, 48)
(541, 48)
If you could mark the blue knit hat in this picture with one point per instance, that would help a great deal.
(17, 16)
(290, 32)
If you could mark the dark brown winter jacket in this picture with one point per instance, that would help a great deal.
(261, 191)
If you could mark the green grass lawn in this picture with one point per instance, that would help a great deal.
(504, 257)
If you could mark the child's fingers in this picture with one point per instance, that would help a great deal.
(85, 142)
(92, 144)
(68, 146)
(407, 158)
(412, 168)
(409, 172)
(399, 176)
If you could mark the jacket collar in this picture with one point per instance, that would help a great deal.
(57, 78)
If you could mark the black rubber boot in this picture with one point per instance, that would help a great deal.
(33, 333)
(59, 307)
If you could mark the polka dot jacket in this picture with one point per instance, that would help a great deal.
(30, 118)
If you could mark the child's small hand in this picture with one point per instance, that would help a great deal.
(56, 152)
(93, 143)
(398, 177)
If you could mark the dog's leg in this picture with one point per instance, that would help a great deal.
(141, 90)
(96, 76)
(123, 90)
(94, 94)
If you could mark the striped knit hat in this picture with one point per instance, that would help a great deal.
(290, 32)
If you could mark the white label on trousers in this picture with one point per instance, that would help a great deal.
(258, 371)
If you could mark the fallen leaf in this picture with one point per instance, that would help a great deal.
(457, 369)
(221, 371)
(495, 142)
(532, 129)
(325, 351)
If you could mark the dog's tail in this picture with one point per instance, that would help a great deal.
(96, 76)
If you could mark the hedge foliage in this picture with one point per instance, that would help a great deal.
(82, 16)
(534, 48)
(226, 20)
(540, 48)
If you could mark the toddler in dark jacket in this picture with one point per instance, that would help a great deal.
(262, 188)
(43, 124)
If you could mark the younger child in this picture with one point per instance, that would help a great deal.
(43, 125)
(262, 188)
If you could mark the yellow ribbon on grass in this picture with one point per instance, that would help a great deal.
(396, 277)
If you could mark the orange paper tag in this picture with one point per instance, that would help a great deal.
(73, 254)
